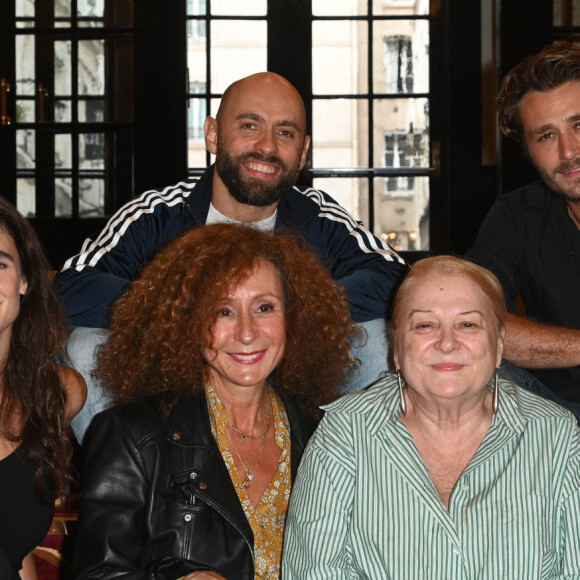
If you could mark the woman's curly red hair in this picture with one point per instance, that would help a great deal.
(159, 327)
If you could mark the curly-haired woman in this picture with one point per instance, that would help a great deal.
(220, 356)
(37, 397)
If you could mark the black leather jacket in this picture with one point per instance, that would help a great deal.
(158, 501)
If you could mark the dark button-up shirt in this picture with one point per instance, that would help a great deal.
(531, 244)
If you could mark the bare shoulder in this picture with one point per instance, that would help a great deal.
(76, 390)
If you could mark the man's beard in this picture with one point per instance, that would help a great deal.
(549, 178)
(256, 192)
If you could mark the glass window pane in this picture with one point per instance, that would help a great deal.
(92, 151)
(91, 111)
(401, 133)
(558, 18)
(197, 31)
(196, 56)
(91, 67)
(91, 197)
(25, 149)
(90, 23)
(237, 8)
(196, 155)
(25, 61)
(215, 105)
(196, 119)
(196, 28)
(196, 7)
(197, 112)
(400, 7)
(63, 151)
(339, 7)
(402, 217)
(62, 68)
(349, 192)
(24, 8)
(26, 196)
(63, 195)
(338, 126)
(238, 49)
(62, 111)
(339, 57)
(94, 8)
(62, 9)
(566, 13)
(25, 111)
(401, 56)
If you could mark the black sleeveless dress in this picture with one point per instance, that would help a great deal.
(24, 519)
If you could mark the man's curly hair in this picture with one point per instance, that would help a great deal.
(555, 65)
(159, 327)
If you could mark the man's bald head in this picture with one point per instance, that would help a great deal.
(265, 83)
(260, 143)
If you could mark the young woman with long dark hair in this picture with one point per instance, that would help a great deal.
(37, 396)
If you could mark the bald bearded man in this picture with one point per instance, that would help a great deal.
(260, 142)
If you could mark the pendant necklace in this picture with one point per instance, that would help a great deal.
(244, 436)
(247, 482)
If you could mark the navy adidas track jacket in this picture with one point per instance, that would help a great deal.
(90, 282)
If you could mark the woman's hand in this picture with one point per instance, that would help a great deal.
(28, 571)
(203, 575)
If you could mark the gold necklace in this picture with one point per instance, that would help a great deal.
(247, 482)
(244, 436)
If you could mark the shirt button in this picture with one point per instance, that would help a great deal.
(202, 485)
(176, 436)
(465, 487)
(456, 551)
(187, 517)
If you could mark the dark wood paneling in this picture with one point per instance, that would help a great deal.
(525, 28)
(160, 84)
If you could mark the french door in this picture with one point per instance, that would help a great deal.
(66, 104)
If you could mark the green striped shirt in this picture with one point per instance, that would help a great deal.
(363, 505)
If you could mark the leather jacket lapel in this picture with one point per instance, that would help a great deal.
(211, 480)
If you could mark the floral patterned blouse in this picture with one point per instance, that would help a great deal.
(267, 519)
